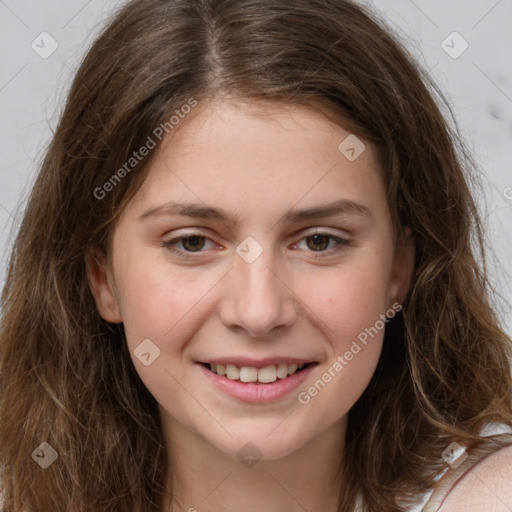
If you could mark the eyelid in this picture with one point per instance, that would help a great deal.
(305, 232)
(168, 242)
(324, 231)
(342, 241)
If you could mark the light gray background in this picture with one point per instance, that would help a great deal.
(478, 85)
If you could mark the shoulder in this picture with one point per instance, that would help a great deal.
(488, 486)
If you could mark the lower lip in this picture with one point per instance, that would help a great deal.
(256, 392)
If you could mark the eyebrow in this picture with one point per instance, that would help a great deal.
(197, 210)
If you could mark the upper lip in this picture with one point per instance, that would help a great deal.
(257, 363)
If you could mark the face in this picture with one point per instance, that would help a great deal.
(261, 247)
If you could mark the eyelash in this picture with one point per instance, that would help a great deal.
(169, 244)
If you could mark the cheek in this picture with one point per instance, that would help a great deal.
(349, 301)
(158, 301)
(163, 305)
(350, 308)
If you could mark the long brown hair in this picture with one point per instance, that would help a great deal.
(67, 378)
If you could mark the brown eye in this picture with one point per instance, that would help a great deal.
(319, 242)
(193, 243)
(185, 245)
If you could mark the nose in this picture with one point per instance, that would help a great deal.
(256, 298)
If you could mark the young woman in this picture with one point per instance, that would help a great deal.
(247, 279)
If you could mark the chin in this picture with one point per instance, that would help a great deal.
(260, 441)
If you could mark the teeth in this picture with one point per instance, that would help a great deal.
(282, 371)
(265, 375)
(232, 372)
(248, 374)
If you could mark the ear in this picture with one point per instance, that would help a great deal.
(403, 268)
(101, 284)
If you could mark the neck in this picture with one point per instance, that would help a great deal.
(205, 479)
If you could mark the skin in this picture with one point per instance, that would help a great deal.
(486, 487)
(256, 161)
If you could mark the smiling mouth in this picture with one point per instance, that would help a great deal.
(267, 375)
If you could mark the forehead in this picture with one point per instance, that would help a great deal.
(255, 157)
(248, 127)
